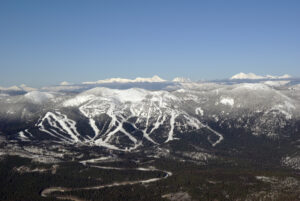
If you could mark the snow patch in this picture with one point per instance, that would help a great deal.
(199, 111)
(172, 125)
(227, 101)
(78, 100)
(286, 109)
(38, 97)
(23, 136)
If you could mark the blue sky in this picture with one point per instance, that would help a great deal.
(46, 42)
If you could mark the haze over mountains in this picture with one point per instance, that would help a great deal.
(154, 79)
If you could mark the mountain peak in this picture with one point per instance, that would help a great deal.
(252, 76)
(246, 76)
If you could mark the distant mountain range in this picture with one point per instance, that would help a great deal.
(131, 115)
(140, 82)
(234, 134)
(252, 76)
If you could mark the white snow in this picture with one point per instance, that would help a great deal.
(78, 100)
(276, 83)
(23, 136)
(100, 142)
(22, 87)
(159, 121)
(124, 80)
(266, 179)
(227, 101)
(127, 95)
(38, 97)
(193, 122)
(285, 76)
(251, 86)
(199, 111)
(151, 109)
(84, 109)
(172, 125)
(252, 76)
(286, 109)
(145, 134)
(181, 90)
(94, 127)
(289, 105)
(246, 76)
(62, 123)
(181, 79)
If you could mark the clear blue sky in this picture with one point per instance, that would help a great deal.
(45, 42)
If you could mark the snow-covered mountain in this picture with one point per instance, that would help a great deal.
(22, 87)
(155, 118)
(133, 118)
(155, 78)
(252, 76)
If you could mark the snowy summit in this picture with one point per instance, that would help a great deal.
(252, 76)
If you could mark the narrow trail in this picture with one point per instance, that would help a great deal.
(48, 191)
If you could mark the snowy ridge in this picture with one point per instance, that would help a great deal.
(155, 78)
(252, 76)
(131, 118)
(151, 110)
(38, 97)
(156, 117)
(276, 83)
(22, 87)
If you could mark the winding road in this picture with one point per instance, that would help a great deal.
(48, 191)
